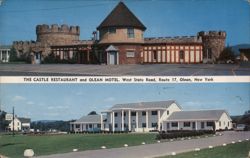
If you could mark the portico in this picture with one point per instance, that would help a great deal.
(138, 117)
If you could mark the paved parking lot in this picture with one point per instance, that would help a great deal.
(159, 149)
(123, 70)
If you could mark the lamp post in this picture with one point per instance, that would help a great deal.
(13, 123)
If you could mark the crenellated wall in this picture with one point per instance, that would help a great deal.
(57, 35)
(213, 42)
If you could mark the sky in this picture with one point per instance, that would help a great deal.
(18, 18)
(71, 101)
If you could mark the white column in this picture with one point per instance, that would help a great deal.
(113, 121)
(129, 120)
(137, 121)
(159, 117)
(196, 125)
(178, 123)
(101, 122)
(122, 120)
(146, 120)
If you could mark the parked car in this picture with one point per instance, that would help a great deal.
(241, 127)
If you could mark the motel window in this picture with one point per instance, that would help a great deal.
(210, 124)
(144, 113)
(131, 33)
(111, 30)
(77, 126)
(116, 125)
(153, 112)
(181, 54)
(174, 124)
(186, 124)
(155, 55)
(65, 55)
(115, 114)
(143, 125)
(133, 113)
(130, 54)
(202, 125)
(90, 125)
(154, 125)
(99, 125)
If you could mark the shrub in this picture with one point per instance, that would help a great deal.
(179, 134)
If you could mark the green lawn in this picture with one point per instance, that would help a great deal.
(238, 150)
(45, 145)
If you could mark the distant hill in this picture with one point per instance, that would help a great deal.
(239, 46)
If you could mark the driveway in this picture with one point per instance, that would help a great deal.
(159, 149)
(123, 70)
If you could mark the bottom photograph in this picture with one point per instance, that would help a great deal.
(200, 120)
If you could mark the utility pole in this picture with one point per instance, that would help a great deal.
(13, 123)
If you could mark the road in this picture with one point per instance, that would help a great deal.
(158, 149)
(123, 70)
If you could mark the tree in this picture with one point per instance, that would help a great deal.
(92, 113)
(13, 55)
(227, 54)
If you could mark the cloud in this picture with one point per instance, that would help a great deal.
(30, 103)
(18, 98)
(57, 107)
(109, 99)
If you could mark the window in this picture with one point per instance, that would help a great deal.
(111, 30)
(154, 125)
(143, 125)
(130, 54)
(167, 125)
(186, 124)
(65, 55)
(144, 113)
(219, 123)
(202, 125)
(90, 125)
(181, 54)
(131, 33)
(115, 114)
(174, 124)
(99, 125)
(209, 124)
(167, 112)
(77, 126)
(133, 113)
(116, 125)
(153, 112)
(154, 55)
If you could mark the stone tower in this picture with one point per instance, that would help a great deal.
(213, 44)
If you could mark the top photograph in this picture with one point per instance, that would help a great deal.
(125, 38)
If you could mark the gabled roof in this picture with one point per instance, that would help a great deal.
(212, 115)
(121, 16)
(24, 120)
(90, 119)
(111, 48)
(145, 105)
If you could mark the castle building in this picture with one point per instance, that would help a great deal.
(121, 41)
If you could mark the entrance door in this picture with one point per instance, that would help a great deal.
(133, 127)
(37, 58)
(113, 58)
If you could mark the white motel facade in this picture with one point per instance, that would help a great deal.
(155, 116)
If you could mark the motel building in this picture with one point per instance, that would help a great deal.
(89, 123)
(153, 116)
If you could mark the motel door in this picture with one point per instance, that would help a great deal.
(37, 58)
(113, 58)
